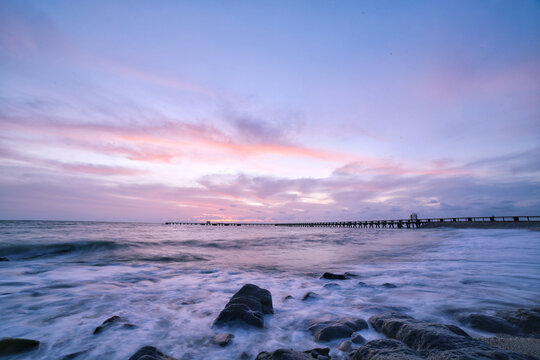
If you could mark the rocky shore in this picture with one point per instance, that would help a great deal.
(516, 333)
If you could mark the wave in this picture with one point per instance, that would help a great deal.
(32, 251)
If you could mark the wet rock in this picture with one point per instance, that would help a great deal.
(288, 297)
(3, 258)
(526, 320)
(358, 339)
(284, 354)
(335, 329)
(311, 296)
(331, 276)
(389, 286)
(222, 339)
(362, 284)
(150, 353)
(12, 346)
(489, 323)
(317, 353)
(437, 341)
(247, 306)
(385, 349)
(345, 345)
(245, 356)
(351, 275)
(108, 323)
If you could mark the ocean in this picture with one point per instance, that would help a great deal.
(63, 279)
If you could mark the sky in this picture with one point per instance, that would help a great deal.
(272, 111)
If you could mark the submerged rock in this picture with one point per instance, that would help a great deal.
(335, 329)
(112, 321)
(150, 353)
(288, 297)
(389, 286)
(247, 306)
(489, 323)
(12, 346)
(222, 339)
(311, 296)
(3, 258)
(527, 320)
(385, 349)
(331, 276)
(437, 341)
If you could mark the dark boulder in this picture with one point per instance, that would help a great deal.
(335, 329)
(385, 349)
(247, 306)
(437, 341)
(150, 353)
(331, 276)
(284, 354)
(358, 339)
(12, 346)
(113, 320)
(389, 286)
(222, 339)
(3, 258)
(318, 352)
(489, 323)
(526, 320)
(288, 297)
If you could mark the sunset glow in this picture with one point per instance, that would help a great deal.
(245, 112)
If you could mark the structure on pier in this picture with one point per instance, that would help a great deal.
(413, 222)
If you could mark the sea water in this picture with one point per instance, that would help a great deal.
(63, 279)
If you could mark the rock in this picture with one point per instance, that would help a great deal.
(222, 339)
(362, 284)
(389, 286)
(385, 349)
(318, 352)
(437, 341)
(488, 323)
(245, 356)
(149, 353)
(3, 258)
(351, 275)
(247, 306)
(108, 323)
(311, 296)
(284, 354)
(12, 346)
(345, 346)
(288, 297)
(526, 320)
(335, 329)
(330, 276)
(358, 339)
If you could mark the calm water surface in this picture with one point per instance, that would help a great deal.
(64, 278)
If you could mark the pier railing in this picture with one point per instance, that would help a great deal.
(399, 223)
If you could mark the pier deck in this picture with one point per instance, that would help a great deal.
(458, 222)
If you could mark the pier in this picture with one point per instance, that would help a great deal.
(412, 223)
